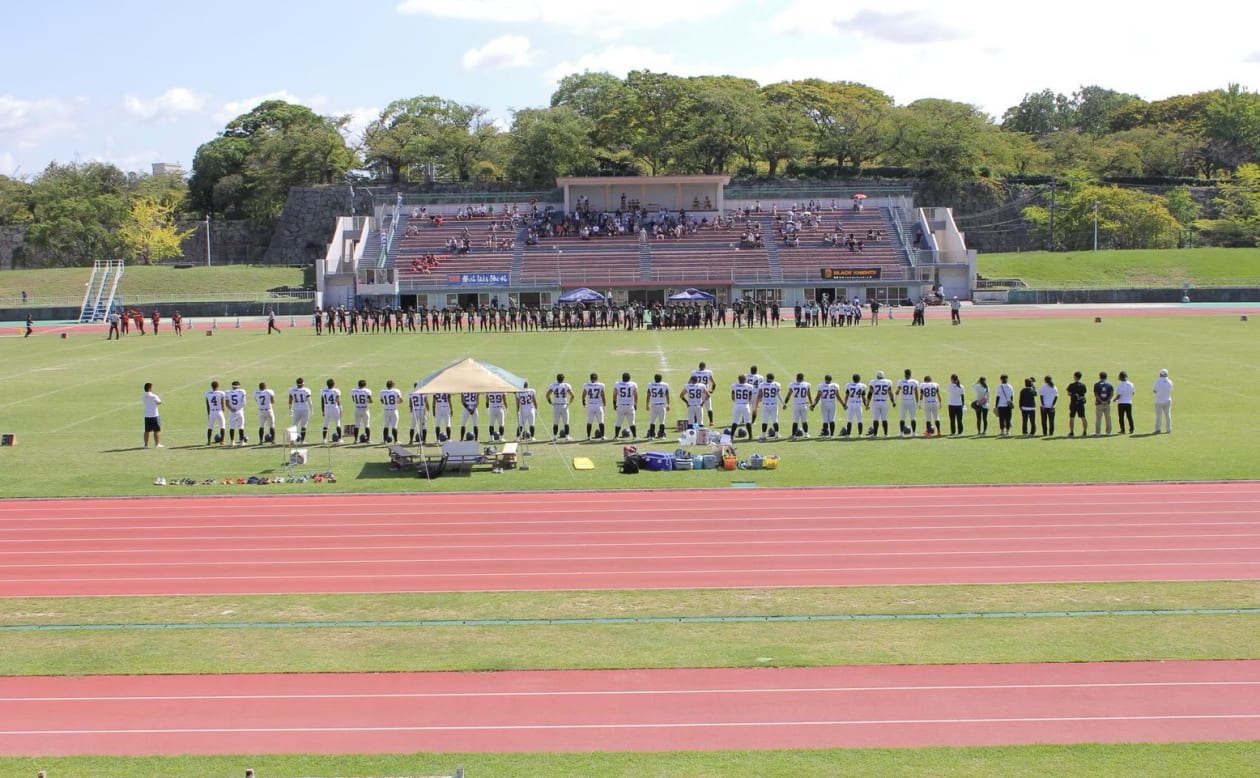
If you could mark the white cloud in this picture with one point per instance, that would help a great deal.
(27, 123)
(620, 60)
(505, 51)
(166, 106)
(9, 165)
(234, 108)
(593, 19)
(360, 118)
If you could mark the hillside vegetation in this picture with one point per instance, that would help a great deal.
(1122, 269)
(142, 281)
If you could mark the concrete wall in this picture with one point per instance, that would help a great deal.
(307, 223)
(231, 243)
(11, 237)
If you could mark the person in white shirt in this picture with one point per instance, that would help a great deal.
(908, 393)
(265, 402)
(234, 400)
(705, 376)
(855, 400)
(626, 401)
(594, 400)
(930, 393)
(216, 426)
(471, 403)
(1004, 405)
(1049, 396)
(496, 414)
(526, 412)
(980, 403)
(418, 404)
(956, 399)
(881, 394)
(694, 395)
(658, 405)
(742, 394)
(443, 410)
(391, 400)
(828, 392)
(330, 402)
(559, 395)
(768, 394)
(1163, 391)
(753, 377)
(801, 396)
(152, 420)
(361, 398)
(1125, 391)
(300, 408)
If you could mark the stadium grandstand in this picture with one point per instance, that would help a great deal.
(639, 239)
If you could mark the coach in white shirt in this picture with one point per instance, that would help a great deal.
(1163, 390)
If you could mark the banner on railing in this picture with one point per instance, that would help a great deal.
(847, 273)
(477, 279)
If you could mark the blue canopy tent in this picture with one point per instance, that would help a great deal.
(581, 295)
(691, 293)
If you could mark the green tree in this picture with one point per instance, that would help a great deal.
(659, 105)
(1126, 218)
(1039, 114)
(76, 212)
(545, 143)
(1231, 125)
(15, 201)
(149, 233)
(604, 101)
(947, 140)
(1237, 205)
(724, 112)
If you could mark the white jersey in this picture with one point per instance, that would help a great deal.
(300, 398)
(625, 394)
(361, 396)
(908, 390)
(235, 399)
(526, 399)
(930, 391)
(265, 399)
(470, 400)
(743, 394)
(800, 392)
(695, 395)
(593, 394)
(391, 399)
(330, 398)
(496, 400)
(881, 391)
(441, 400)
(418, 403)
(828, 393)
(560, 392)
(854, 394)
(769, 392)
(704, 377)
(215, 400)
(658, 393)
(754, 380)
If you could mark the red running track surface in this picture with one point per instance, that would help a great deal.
(629, 540)
(666, 710)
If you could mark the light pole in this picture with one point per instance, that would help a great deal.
(207, 239)
(1095, 225)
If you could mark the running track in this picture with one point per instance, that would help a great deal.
(629, 540)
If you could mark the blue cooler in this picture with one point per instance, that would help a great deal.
(658, 460)
(708, 462)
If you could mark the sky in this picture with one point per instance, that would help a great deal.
(135, 82)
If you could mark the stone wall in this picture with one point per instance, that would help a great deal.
(231, 243)
(11, 238)
(306, 224)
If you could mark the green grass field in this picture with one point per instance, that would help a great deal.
(1124, 269)
(74, 405)
(141, 282)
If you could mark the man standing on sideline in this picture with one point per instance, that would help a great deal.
(330, 402)
(177, 322)
(854, 401)
(496, 414)
(1103, 392)
(1004, 404)
(559, 395)
(265, 402)
(955, 311)
(626, 402)
(1125, 390)
(271, 323)
(152, 421)
(1163, 390)
(827, 395)
(30, 326)
(742, 394)
(300, 408)
(768, 392)
(908, 391)
(235, 399)
(694, 394)
(471, 402)
(156, 318)
(418, 403)
(1076, 405)
(880, 395)
(114, 322)
(215, 399)
(391, 400)
(361, 398)
(658, 403)
(442, 410)
(705, 376)
(801, 396)
(526, 412)
(1049, 395)
(930, 391)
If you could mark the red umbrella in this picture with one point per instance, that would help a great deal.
(859, 196)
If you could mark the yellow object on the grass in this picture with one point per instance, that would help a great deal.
(583, 463)
(771, 462)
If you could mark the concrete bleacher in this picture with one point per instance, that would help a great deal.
(804, 262)
(571, 260)
(707, 255)
(432, 239)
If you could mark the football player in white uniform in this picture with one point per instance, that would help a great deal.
(930, 392)
(300, 408)
(471, 402)
(828, 392)
(658, 404)
(694, 394)
(704, 376)
(768, 396)
(559, 395)
(625, 401)
(234, 399)
(753, 377)
(391, 400)
(265, 401)
(496, 413)
(908, 392)
(330, 401)
(742, 396)
(361, 398)
(854, 400)
(801, 396)
(442, 412)
(418, 403)
(594, 398)
(216, 426)
(526, 412)
(881, 394)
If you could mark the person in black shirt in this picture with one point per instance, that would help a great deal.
(1103, 392)
(1028, 407)
(1076, 405)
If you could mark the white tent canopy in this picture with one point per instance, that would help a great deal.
(471, 375)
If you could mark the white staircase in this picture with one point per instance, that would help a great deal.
(101, 288)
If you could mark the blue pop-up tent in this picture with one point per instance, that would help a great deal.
(581, 295)
(692, 294)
